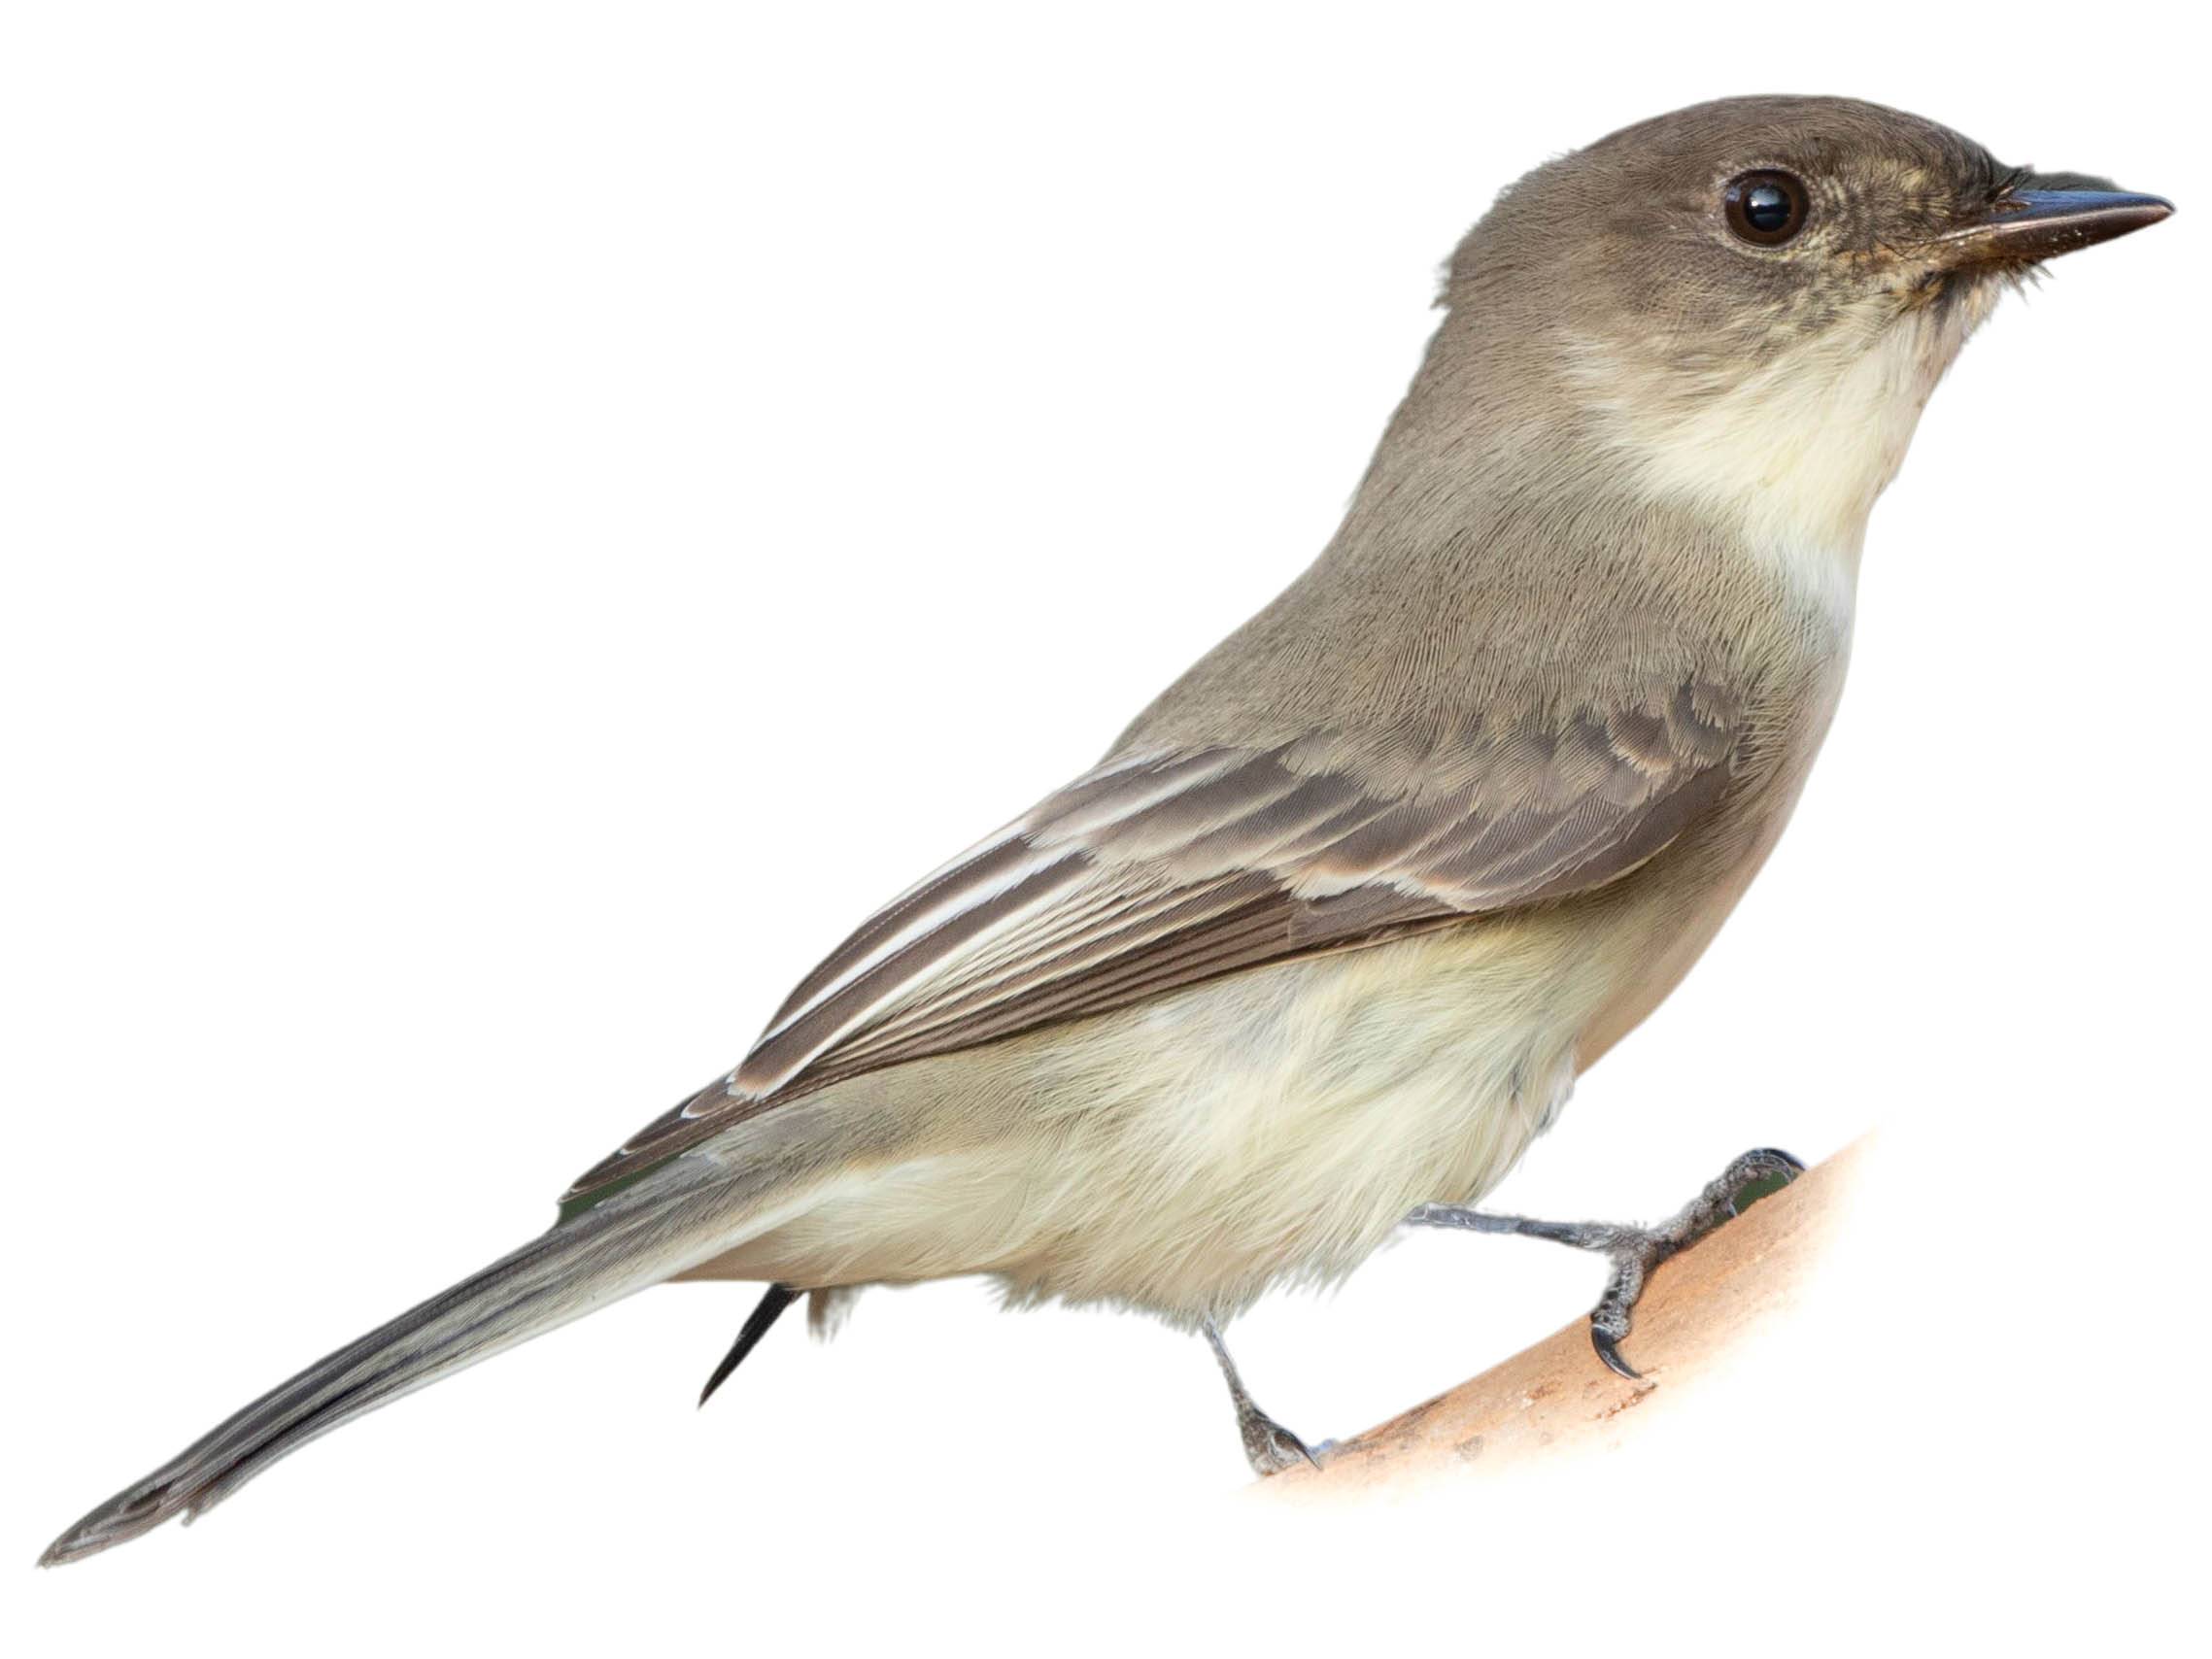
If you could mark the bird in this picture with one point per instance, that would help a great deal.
(1323, 942)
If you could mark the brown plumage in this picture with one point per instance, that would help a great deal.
(1332, 930)
(1166, 868)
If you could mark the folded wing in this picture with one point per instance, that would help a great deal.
(1161, 869)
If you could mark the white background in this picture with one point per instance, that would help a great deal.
(523, 524)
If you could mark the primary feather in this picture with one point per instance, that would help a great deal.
(1161, 870)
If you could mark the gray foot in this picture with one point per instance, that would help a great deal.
(1635, 1250)
(1269, 1446)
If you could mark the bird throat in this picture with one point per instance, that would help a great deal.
(1796, 451)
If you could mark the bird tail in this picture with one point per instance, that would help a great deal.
(632, 1240)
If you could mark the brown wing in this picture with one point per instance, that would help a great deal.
(1159, 870)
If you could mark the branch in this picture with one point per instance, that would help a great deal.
(1558, 1394)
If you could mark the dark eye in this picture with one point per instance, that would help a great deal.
(1766, 206)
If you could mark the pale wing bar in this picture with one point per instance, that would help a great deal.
(1165, 870)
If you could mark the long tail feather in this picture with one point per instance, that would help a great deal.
(580, 1266)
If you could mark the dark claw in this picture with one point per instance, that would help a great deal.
(1608, 1350)
(1636, 1250)
(1780, 1170)
(1267, 1439)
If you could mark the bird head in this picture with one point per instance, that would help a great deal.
(1747, 303)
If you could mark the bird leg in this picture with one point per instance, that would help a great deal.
(1269, 1446)
(1635, 1250)
(765, 1313)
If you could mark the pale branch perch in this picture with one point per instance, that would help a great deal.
(1558, 1393)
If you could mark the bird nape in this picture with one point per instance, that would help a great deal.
(1326, 939)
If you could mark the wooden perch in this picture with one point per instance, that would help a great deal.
(1558, 1393)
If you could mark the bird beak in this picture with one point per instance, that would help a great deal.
(2024, 226)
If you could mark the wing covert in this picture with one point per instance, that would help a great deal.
(1160, 869)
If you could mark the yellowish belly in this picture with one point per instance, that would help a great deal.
(1186, 1154)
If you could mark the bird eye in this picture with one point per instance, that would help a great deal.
(1766, 206)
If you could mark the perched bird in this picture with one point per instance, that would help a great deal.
(1322, 943)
